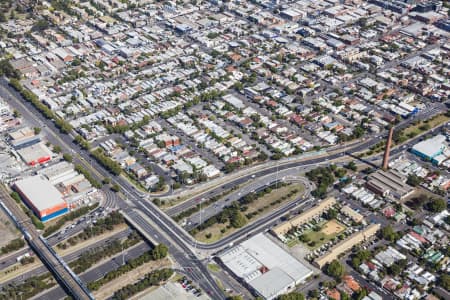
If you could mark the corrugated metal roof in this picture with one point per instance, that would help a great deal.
(40, 192)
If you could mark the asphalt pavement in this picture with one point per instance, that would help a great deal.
(98, 271)
(256, 185)
(53, 239)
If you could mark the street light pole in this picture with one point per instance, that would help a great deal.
(195, 243)
(123, 256)
(276, 179)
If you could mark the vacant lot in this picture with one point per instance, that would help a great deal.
(332, 227)
(7, 230)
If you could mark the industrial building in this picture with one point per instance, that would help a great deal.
(389, 183)
(346, 245)
(35, 154)
(72, 185)
(59, 172)
(304, 217)
(42, 197)
(23, 137)
(264, 267)
(431, 149)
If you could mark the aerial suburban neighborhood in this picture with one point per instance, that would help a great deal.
(262, 149)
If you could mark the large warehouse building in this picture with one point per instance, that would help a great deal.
(23, 137)
(42, 197)
(35, 154)
(389, 183)
(431, 149)
(266, 268)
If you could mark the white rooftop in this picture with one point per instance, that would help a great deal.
(40, 192)
(265, 266)
(431, 146)
(271, 283)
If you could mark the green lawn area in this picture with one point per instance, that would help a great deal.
(317, 239)
(257, 208)
(314, 239)
(214, 233)
(176, 277)
(422, 126)
(410, 132)
(263, 204)
(292, 242)
(213, 267)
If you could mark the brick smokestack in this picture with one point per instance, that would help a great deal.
(388, 149)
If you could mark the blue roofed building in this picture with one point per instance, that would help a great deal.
(430, 149)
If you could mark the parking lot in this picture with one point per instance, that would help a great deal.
(172, 290)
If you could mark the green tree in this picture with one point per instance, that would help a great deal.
(40, 25)
(389, 234)
(292, 296)
(57, 149)
(359, 257)
(335, 269)
(331, 214)
(313, 294)
(67, 157)
(238, 219)
(16, 114)
(111, 165)
(13, 245)
(394, 270)
(351, 166)
(447, 221)
(8, 70)
(436, 205)
(413, 180)
(16, 197)
(160, 251)
(444, 281)
(238, 86)
(360, 294)
(238, 297)
(115, 188)
(344, 296)
(2, 17)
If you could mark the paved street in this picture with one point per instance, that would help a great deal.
(70, 257)
(66, 143)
